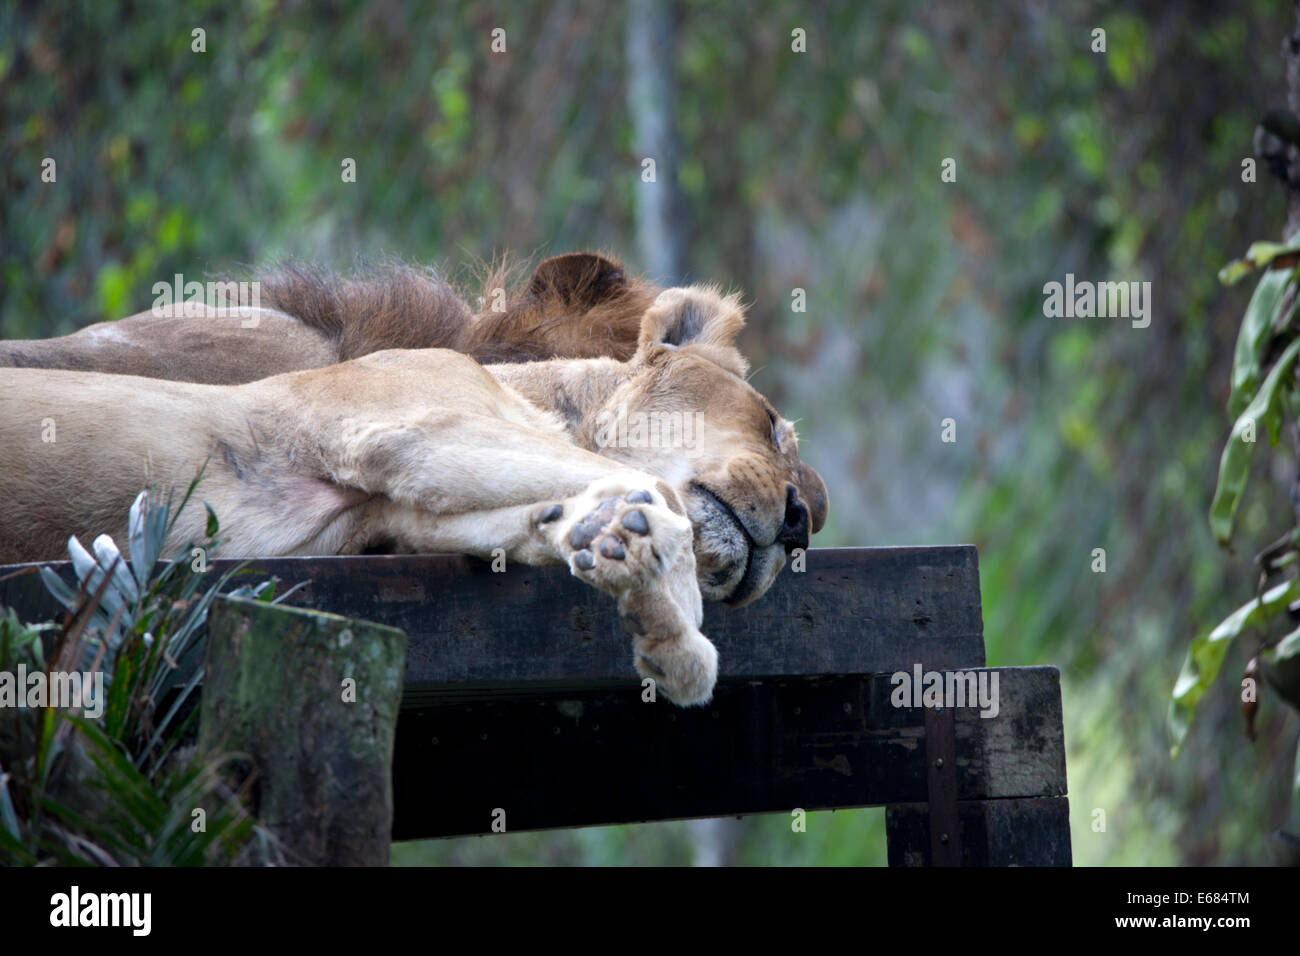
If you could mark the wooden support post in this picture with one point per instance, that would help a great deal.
(312, 699)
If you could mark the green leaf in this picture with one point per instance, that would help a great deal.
(1205, 656)
(58, 590)
(1259, 255)
(1295, 783)
(1256, 329)
(1234, 465)
(117, 709)
(1280, 666)
(213, 525)
(1288, 647)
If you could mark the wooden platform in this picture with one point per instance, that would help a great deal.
(520, 694)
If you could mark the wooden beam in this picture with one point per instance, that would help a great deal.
(852, 611)
(1023, 832)
(595, 756)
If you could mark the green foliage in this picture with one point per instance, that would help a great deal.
(1256, 329)
(1260, 255)
(121, 788)
(1258, 405)
(1281, 667)
(1264, 413)
(144, 819)
(1205, 657)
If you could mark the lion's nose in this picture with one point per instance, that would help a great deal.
(812, 490)
(794, 533)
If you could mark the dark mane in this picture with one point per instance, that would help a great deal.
(573, 306)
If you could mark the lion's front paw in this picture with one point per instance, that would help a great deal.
(684, 667)
(621, 539)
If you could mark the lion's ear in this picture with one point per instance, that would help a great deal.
(579, 279)
(696, 316)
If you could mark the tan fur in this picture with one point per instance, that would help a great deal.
(579, 305)
(431, 450)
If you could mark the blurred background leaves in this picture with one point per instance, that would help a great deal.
(817, 171)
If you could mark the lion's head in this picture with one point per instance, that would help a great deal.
(683, 410)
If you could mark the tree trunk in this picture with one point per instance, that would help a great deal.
(651, 57)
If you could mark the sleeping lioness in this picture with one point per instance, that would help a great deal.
(433, 451)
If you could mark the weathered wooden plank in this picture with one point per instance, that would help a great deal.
(852, 611)
(600, 755)
(1032, 759)
(312, 699)
(1015, 832)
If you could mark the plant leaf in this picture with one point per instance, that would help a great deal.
(1259, 255)
(1256, 329)
(136, 530)
(1205, 656)
(58, 589)
(1234, 465)
(111, 560)
(1295, 783)
(1280, 666)
(8, 816)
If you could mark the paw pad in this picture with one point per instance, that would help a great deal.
(585, 531)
